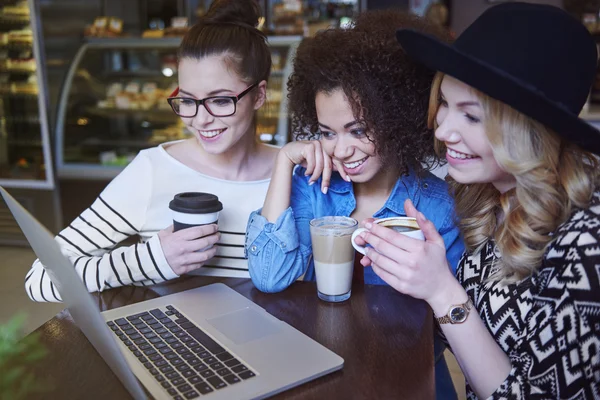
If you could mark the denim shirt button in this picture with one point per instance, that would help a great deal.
(283, 245)
(425, 185)
(253, 248)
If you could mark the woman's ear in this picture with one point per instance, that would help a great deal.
(261, 95)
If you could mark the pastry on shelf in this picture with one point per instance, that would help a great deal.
(153, 33)
(19, 10)
(26, 65)
(23, 36)
(24, 88)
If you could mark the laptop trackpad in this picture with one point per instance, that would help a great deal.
(244, 325)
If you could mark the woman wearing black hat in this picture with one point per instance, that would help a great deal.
(522, 168)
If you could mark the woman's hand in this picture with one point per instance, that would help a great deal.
(411, 266)
(184, 249)
(310, 155)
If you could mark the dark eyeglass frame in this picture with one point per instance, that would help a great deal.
(235, 100)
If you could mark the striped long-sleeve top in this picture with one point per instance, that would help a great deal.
(136, 202)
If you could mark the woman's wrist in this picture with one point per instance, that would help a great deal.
(451, 293)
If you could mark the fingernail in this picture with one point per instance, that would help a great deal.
(325, 189)
(368, 225)
(348, 178)
(310, 183)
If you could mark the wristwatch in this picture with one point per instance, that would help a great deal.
(457, 313)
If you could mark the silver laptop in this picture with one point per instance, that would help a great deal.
(210, 341)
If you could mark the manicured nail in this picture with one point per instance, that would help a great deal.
(348, 178)
(310, 183)
(368, 225)
(325, 189)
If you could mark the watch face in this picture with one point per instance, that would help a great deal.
(458, 314)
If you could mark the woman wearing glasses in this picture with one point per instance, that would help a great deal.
(224, 64)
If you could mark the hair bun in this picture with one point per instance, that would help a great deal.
(245, 12)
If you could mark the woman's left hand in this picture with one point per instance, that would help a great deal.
(411, 266)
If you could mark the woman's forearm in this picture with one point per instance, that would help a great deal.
(482, 360)
(278, 195)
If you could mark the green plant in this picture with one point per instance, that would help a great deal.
(16, 357)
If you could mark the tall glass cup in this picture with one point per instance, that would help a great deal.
(333, 256)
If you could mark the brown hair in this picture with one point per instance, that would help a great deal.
(229, 28)
(385, 87)
(553, 178)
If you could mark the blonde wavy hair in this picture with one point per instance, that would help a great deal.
(553, 177)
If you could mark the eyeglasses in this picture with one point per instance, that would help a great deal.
(217, 106)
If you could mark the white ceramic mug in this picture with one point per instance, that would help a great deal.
(405, 225)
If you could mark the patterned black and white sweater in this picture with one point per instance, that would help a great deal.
(549, 323)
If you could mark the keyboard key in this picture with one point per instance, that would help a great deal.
(203, 355)
(169, 307)
(191, 395)
(216, 366)
(177, 361)
(207, 374)
(178, 397)
(171, 325)
(231, 363)
(201, 367)
(176, 345)
(184, 388)
(135, 336)
(178, 315)
(159, 378)
(205, 340)
(246, 374)
(178, 381)
(224, 356)
(121, 322)
(148, 365)
(216, 382)
(115, 328)
(137, 353)
(172, 340)
(188, 356)
(149, 352)
(210, 360)
(181, 320)
(185, 339)
(169, 312)
(125, 340)
(145, 347)
(166, 369)
(166, 336)
(189, 373)
(166, 350)
(155, 357)
(156, 326)
(153, 371)
(157, 313)
(172, 375)
(160, 363)
(172, 356)
(195, 379)
(175, 330)
(165, 384)
(186, 325)
(149, 335)
(161, 330)
(156, 340)
(223, 372)
(140, 341)
(183, 367)
(126, 327)
(239, 368)
(145, 330)
(172, 391)
(198, 349)
(203, 388)
(147, 317)
(151, 321)
(193, 361)
(143, 359)
(110, 323)
(165, 320)
(160, 345)
(130, 332)
(231, 379)
(182, 350)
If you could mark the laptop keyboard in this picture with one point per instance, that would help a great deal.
(181, 356)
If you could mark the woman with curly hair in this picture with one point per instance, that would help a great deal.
(360, 105)
(505, 108)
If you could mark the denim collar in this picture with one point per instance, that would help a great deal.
(408, 186)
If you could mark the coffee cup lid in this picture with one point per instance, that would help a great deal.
(196, 203)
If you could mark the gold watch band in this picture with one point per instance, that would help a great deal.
(446, 318)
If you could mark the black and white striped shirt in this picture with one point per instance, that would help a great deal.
(136, 203)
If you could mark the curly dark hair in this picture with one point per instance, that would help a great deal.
(388, 90)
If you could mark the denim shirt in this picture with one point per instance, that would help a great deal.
(279, 253)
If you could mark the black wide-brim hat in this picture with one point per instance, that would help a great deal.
(535, 58)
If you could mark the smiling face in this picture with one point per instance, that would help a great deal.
(460, 125)
(344, 137)
(211, 76)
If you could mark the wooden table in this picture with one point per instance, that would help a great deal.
(385, 338)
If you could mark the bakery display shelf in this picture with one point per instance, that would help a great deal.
(7, 93)
(153, 114)
(16, 46)
(95, 142)
(17, 71)
(12, 20)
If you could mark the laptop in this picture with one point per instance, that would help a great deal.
(206, 342)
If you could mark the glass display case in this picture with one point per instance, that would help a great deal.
(25, 156)
(113, 103)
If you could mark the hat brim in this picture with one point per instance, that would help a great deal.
(499, 85)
